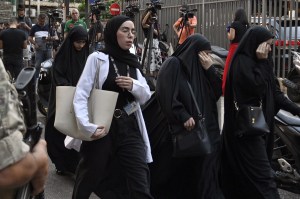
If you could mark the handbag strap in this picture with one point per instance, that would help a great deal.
(96, 79)
(195, 101)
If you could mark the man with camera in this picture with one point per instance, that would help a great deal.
(41, 37)
(150, 25)
(185, 25)
(75, 21)
(95, 33)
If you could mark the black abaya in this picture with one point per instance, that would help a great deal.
(67, 68)
(246, 170)
(195, 177)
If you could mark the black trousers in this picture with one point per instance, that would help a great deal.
(65, 160)
(13, 65)
(123, 145)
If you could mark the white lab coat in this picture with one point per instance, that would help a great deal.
(140, 91)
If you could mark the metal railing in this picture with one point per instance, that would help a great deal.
(215, 15)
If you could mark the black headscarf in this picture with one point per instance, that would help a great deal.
(68, 61)
(111, 43)
(251, 40)
(245, 68)
(187, 53)
(173, 92)
(252, 80)
(247, 47)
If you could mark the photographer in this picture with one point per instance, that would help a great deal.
(131, 10)
(149, 20)
(185, 25)
(41, 37)
(18, 165)
(95, 33)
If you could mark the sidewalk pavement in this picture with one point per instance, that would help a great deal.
(61, 187)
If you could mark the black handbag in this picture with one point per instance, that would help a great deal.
(250, 120)
(191, 143)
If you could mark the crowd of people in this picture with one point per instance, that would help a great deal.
(120, 163)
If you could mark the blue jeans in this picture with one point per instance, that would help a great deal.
(41, 56)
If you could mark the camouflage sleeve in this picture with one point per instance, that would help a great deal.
(12, 127)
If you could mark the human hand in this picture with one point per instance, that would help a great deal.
(40, 155)
(205, 60)
(189, 124)
(99, 133)
(124, 82)
(262, 50)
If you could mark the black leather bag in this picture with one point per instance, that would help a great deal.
(191, 143)
(251, 121)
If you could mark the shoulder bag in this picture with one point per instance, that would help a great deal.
(250, 120)
(191, 143)
(101, 106)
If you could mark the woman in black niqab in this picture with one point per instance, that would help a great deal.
(66, 70)
(246, 170)
(195, 177)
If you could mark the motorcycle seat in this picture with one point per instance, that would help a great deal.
(288, 118)
(219, 51)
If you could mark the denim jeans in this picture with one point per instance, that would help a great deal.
(41, 56)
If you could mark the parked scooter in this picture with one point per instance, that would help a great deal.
(292, 81)
(219, 56)
(44, 86)
(286, 154)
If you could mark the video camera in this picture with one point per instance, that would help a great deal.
(131, 9)
(97, 7)
(55, 15)
(187, 14)
(154, 5)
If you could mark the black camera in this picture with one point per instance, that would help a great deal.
(97, 7)
(55, 14)
(187, 14)
(131, 9)
(154, 5)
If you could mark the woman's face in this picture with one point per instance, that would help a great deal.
(125, 35)
(78, 45)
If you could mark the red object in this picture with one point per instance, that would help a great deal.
(231, 52)
(287, 43)
(115, 9)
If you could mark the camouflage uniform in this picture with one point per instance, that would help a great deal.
(12, 127)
